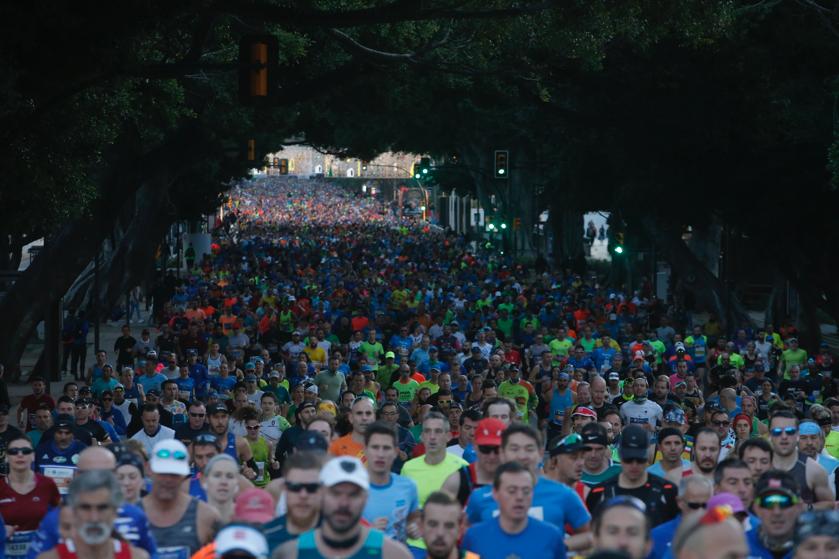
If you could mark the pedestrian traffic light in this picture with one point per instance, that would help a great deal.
(503, 226)
(502, 163)
(417, 170)
(251, 150)
(258, 56)
(283, 166)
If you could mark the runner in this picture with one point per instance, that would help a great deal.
(182, 524)
(94, 498)
(514, 530)
(621, 524)
(345, 484)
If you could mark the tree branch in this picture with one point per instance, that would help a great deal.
(398, 11)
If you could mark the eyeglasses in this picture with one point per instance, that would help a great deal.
(166, 453)
(489, 449)
(311, 488)
(721, 423)
(25, 450)
(696, 506)
(779, 500)
(197, 414)
(778, 431)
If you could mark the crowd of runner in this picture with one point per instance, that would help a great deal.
(334, 380)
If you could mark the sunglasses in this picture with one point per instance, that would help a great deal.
(779, 500)
(252, 427)
(166, 453)
(25, 450)
(721, 423)
(789, 431)
(311, 488)
(489, 449)
(197, 414)
(107, 399)
(207, 438)
(696, 506)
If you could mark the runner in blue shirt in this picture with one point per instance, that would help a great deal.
(514, 530)
(551, 502)
(393, 504)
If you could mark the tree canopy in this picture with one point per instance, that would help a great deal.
(674, 114)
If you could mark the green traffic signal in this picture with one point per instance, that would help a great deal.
(619, 249)
(503, 226)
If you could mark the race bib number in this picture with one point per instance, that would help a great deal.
(176, 552)
(18, 544)
(61, 475)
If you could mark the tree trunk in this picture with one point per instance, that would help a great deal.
(567, 226)
(67, 252)
(709, 291)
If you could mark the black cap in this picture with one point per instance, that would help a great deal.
(594, 433)
(566, 445)
(777, 481)
(213, 409)
(635, 443)
(304, 406)
(64, 421)
(311, 441)
(153, 392)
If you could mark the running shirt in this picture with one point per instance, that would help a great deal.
(58, 464)
(67, 550)
(560, 403)
(554, 503)
(430, 478)
(394, 501)
(646, 413)
(25, 511)
(539, 539)
(372, 549)
(180, 540)
(261, 455)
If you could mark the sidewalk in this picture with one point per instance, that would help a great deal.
(108, 333)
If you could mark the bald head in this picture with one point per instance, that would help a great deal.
(695, 540)
(96, 458)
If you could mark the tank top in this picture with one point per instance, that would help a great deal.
(559, 403)
(307, 547)
(231, 446)
(260, 452)
(799, 472)
(195, 489)
(180, 540)
(67, 550)
(213, 365)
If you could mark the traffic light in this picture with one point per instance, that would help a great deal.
(425, 166)
(258, 55)
(619, 246)
(283, 166)
(502, 163)
(418, 170)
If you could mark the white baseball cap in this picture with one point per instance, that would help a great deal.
(345, 469)
(170, 457)
(241, 538)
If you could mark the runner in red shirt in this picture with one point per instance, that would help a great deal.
(30, 403)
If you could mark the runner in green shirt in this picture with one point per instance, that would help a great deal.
(372, 349)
